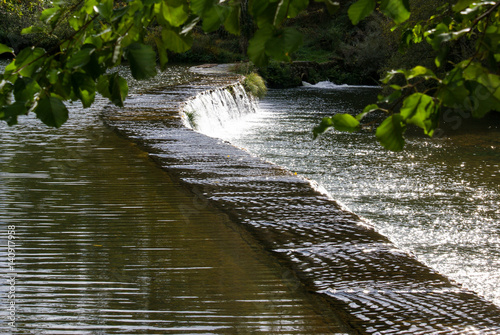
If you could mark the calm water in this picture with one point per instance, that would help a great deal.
(106, 243)
(438, 199)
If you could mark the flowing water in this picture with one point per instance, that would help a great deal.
(438, 199)
(107, 243)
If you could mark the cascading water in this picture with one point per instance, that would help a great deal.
(211, 112)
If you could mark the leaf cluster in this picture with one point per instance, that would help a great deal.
(105, 33)
(472, 84)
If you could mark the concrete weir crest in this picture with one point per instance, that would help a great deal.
(375, 288)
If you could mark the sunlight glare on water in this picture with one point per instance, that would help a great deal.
(438, 199)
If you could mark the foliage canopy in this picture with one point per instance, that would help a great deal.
(418, 96)
(106, 32)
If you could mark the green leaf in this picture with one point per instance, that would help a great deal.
(368, 109)
(113, 87)
(118, 89)
(175, 12)
(9, 70)
(480, 101)
(6, 90)
(390, 133)
(213, 18)
(391, 97)
(453, 95)
(421, 71)
(232, 23)
(162, 53)
(32, 30)
(28, 60)
(176, 42)
(5, 49)
(391, 74)
(326, 123)
(52, 76)
(105, 8)
(345, 122)
(103, 86)
(150, 2)
(442, 54)
(88, 6)
(462, 4)
(49, 14)
(25, 89)
(332, 6)
(419, 109)
(80, 58)
(437, 36)
(417, 33)
(84, 88)
(281, 12)
(360, 9)
(283, 44)
(296, 6)
(119, 13)
(453, 91)
(398, 10)
(51, 111)
(62, 87)
(96, 66)
(201, 6)
(476, 72)
(259, 7)
(264, 12)
(142, 59)
(10, 113)
(257, 46)
(76, 21)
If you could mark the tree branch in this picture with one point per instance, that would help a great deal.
(485, 14)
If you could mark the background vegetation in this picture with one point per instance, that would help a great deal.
(445, 57)
(351, 54)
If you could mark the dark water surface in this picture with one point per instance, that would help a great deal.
(438, 199)
(107, 243)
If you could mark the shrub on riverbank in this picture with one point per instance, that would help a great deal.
(255, 85)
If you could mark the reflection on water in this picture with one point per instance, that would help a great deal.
(108, 244)
(439, 198)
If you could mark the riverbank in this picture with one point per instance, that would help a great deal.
(371, 284)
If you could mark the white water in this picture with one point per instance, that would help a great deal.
(329, 85)
(219, 111)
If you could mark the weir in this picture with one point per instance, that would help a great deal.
(376, 288)
(210, 112)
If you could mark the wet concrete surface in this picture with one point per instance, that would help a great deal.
(376, 288)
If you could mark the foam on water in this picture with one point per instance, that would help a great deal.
(219, 112)
(329, 85)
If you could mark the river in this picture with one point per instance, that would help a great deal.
(107, 243)
(438, 199)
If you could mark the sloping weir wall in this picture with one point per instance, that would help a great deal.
(375, 288)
